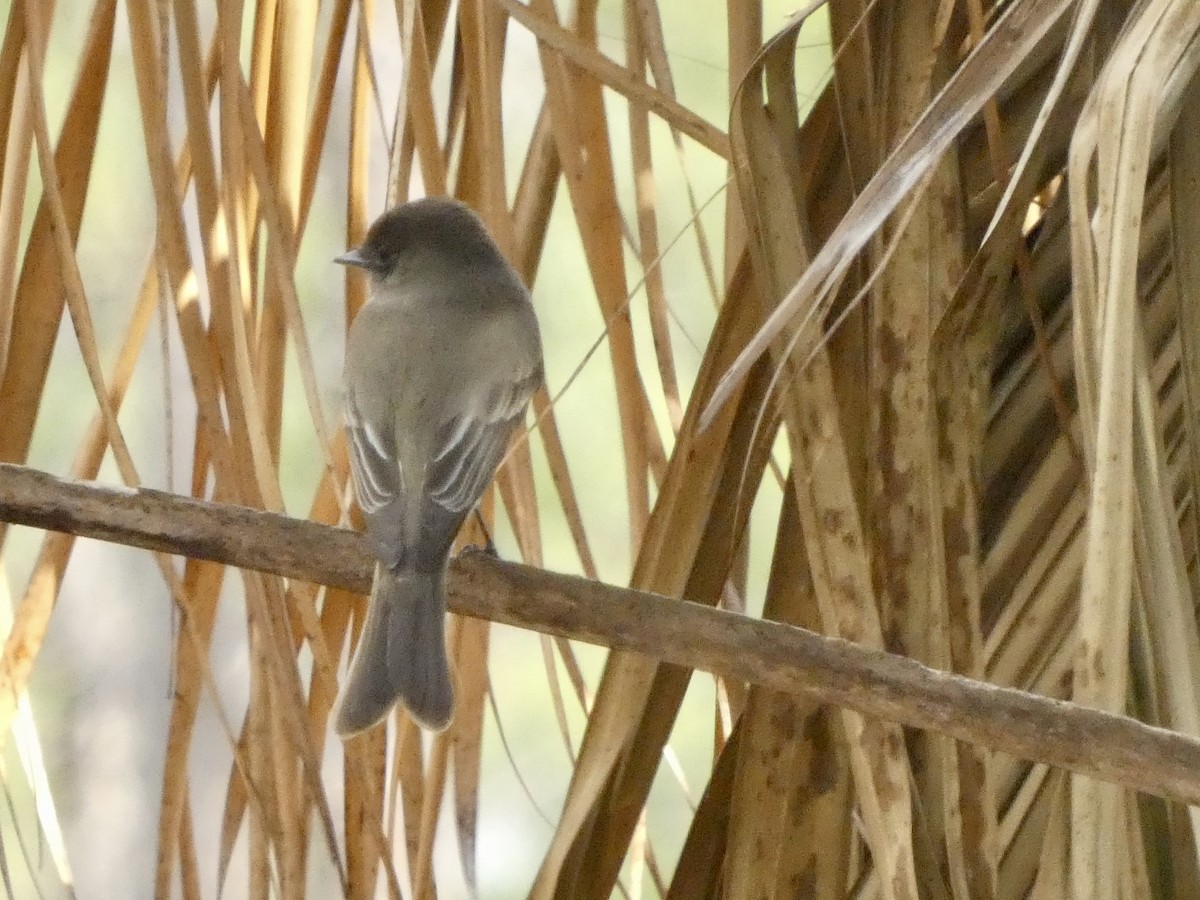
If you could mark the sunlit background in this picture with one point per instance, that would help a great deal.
(101, 690)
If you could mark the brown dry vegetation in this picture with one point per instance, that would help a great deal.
(924, 377)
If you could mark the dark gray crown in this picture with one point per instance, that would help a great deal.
(437, 225)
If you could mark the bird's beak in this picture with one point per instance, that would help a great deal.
(354, 258)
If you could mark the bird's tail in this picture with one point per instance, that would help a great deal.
(401, 655)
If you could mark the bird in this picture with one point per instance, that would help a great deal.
(441, 361)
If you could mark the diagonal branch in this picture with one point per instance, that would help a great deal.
(779, 657)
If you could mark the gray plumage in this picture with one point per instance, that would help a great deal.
(440, 364)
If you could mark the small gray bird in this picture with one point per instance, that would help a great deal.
(440, 364)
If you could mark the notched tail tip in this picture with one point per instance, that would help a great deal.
(347, 727)
(433, 710)
(348, 722)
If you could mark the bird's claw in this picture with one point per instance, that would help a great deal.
(488, 549)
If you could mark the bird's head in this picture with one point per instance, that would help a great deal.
(433, 228)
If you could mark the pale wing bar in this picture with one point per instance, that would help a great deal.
(474, 444)
(378, 479)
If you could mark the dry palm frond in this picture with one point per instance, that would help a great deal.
(953, 256)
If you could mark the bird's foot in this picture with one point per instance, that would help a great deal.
(489, 547)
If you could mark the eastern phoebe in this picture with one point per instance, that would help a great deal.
(440, 364)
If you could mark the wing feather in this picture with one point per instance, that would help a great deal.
(467, 449)
(472, 444)
(379, 482)
(378, 478)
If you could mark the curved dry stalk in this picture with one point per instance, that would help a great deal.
(1009, 41)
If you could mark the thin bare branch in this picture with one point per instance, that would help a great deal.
(1109, 747)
